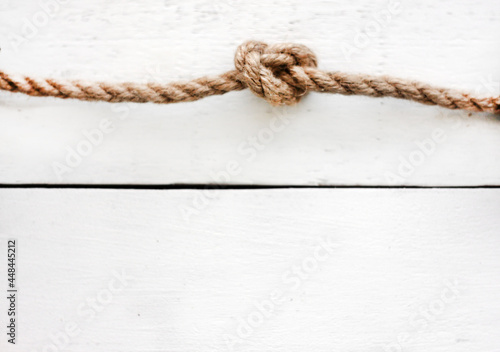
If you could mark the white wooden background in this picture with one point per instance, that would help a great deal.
(130, 270)
(330, 140)
(397, 270)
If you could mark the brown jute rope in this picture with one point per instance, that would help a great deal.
(279, 73)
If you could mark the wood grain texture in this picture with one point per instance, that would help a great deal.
(354, 270)
(332, 140)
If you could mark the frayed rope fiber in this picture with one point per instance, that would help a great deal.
(280, 73)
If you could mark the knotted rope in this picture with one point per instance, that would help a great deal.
(279, 73)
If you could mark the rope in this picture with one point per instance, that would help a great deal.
(280, 73)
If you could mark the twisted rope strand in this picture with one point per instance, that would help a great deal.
(280, 73)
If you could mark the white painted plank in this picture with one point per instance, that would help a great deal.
(330, 140)
(403, 270)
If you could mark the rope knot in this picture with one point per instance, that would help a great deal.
(275, 72)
